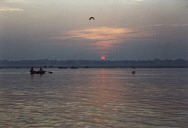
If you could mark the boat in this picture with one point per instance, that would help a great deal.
(62, 67)
(73, 67)
(37, 72)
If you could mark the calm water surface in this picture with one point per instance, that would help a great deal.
(94, 98)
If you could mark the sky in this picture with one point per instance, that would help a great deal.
(122, 29)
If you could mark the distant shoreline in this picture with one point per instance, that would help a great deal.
(86, 67)
(75, 64)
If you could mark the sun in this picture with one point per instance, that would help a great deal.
(103, 57)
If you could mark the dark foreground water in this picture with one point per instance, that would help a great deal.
(94, 98)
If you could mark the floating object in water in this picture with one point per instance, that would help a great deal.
(91, 18)
(133, 72)
(50, 72)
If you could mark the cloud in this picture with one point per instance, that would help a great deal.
(104, 38)
(102, 33)
(179, 25)
(138, 0)
(163, 25)
(13, 1)
(131, 1)
(9, 9)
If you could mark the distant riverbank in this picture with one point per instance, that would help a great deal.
(74, 64)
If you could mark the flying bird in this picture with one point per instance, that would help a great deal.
(91, 18)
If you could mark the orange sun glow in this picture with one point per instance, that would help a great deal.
(103, 57)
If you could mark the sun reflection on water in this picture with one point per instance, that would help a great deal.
(94, 98)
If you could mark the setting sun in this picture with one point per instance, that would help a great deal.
(103, 57)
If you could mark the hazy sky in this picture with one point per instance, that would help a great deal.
(122, 29)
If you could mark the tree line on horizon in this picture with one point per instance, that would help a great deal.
(156, 63)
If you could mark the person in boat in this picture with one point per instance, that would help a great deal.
(41, 70)
(37, 72)
(31, 70)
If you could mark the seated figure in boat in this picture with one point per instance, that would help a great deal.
(37, 72)
(41, 70)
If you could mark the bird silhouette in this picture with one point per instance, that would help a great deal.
(91, 18)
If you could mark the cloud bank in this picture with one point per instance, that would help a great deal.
(9, 9)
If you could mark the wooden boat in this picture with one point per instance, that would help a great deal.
(37, 72)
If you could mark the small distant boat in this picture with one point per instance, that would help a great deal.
(37, 72)
(62, 67)
(73, 67)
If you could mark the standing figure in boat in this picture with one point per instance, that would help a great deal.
(31, 70)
